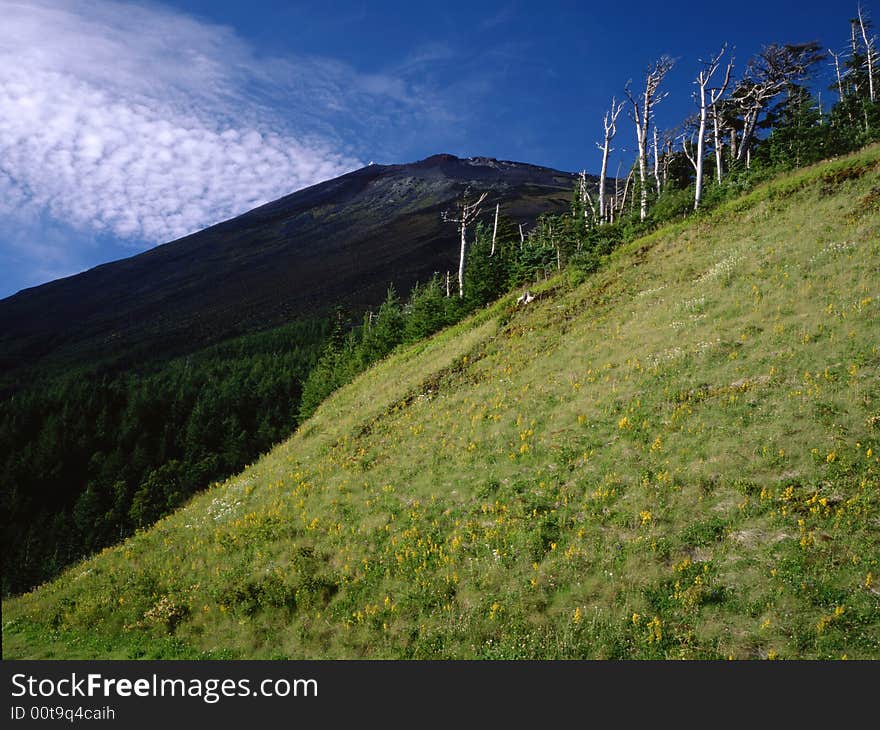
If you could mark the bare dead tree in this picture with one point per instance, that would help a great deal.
(751, 98)
(854, 51)
(616, 195)
(715, 96)
(707, 105)
(666, 139)
(610, 123)
(626, 189)
(836, 57)
(586, 200)
(767, 74)
(495, 229)
(641, 113)
(467, 214)
(555, 244)
(869, 54)
(718, 143)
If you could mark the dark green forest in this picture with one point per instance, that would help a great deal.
(88, 458)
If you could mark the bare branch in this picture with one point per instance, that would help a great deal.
(688, 152)
(767, 74)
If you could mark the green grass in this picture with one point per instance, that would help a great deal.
(678, 458)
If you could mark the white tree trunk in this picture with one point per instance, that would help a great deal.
(701, 137)
(626, 190)
(461, 259)
(719, 160)
(643, 178)
(656, 161)
(495, 228)
(750, 119)
(869, 54)
(558, 246)
(602, 173)
(643, 172)
(586, 200)
(616, 194)
(854, 50)
(667, 159)
(836, 58)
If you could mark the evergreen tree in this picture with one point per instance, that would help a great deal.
(799, 136)
(428, 311)
(384, 331)
(487, 273)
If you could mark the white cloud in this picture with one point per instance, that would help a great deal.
(145, 124)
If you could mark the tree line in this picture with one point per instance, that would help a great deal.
(723, 139)
(742, 131)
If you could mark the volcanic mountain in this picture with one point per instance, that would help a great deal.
(340, 241)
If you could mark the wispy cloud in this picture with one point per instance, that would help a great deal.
(499, 17)
(144, 124)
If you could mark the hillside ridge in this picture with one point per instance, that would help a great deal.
(677, 457)
(342, 241)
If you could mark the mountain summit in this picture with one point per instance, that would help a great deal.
(343, 240)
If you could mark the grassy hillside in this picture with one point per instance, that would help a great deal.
(677, 458)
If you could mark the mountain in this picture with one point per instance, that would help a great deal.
(340, 241)
(676, 456)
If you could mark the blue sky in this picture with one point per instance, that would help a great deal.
(124, 125)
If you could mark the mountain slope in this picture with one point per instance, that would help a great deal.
(341, 241)
(679, 457)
